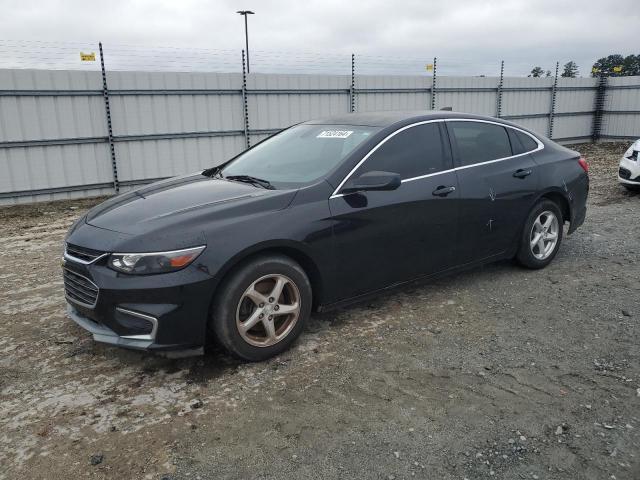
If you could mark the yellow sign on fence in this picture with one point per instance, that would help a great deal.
(88, 57)
(429, 67)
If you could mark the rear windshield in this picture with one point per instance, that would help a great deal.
(300, 154)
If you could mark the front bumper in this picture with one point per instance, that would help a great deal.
(164, 312)
(102, 333)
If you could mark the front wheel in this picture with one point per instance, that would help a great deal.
(262, 307)
(541, 236)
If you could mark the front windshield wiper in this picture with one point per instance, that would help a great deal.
(217, 172)
(253, 180)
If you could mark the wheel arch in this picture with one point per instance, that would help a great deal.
(294, 250)
(555, 195)
(560, 198)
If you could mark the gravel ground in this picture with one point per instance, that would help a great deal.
(499, 372)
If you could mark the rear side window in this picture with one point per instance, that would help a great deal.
(413, 152)
(480, 142)
(527, 142)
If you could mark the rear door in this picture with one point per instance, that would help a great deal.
(386, 237)
(497, 184)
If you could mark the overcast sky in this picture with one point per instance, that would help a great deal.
(467, 36)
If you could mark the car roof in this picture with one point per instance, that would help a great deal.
(386, 119)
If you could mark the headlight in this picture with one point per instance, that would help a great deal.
(629, 152)
(633, 151)
(156, 262)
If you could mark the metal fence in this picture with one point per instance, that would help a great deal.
(68, 134)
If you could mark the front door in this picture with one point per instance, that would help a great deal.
(386, 237)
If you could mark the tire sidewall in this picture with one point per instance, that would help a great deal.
(525, 255)
(223, 314)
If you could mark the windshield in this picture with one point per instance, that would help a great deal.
(299, 155)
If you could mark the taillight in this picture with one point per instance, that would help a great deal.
(583, 163)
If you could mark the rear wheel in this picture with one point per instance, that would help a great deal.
(262, 307)
(541, 236)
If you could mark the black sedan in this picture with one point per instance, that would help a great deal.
(324, 213)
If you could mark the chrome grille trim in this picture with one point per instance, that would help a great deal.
(82, 255)
(79, 289)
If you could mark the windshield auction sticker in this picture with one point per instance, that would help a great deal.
(335, 134)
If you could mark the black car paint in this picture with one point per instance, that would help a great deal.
(374, 234)
(493, 204)
(350, 245)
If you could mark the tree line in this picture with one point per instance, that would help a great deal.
(615, 65)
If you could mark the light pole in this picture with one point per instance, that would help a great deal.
(244, 13)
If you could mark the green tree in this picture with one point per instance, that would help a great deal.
(536, 72)
(616, 66)
(570, 70)
(632, 64)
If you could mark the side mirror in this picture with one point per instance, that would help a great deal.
(373, 181)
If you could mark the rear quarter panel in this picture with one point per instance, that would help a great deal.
(560, 173)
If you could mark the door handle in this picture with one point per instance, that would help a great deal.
(443, 191)
(522, 173)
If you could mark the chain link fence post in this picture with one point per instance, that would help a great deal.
(245, 106)
(433, 84)
(352, 90)
(107, 108)
(554, 90)
(500, 85)
(598, 113)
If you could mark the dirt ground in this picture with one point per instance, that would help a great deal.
(497, 373)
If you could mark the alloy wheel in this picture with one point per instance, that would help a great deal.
(268, 310)
(544, 235)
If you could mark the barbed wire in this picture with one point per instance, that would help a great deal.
(65, 55)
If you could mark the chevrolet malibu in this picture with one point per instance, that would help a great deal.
(324, 213)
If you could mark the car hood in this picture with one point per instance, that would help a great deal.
(181, 201)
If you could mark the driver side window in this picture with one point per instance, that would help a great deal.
(411, 153)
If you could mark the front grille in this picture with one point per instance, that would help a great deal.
(624, 173)
(86, 255)
(80, 289)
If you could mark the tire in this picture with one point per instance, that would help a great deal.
(534, 256)
(244, 299)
